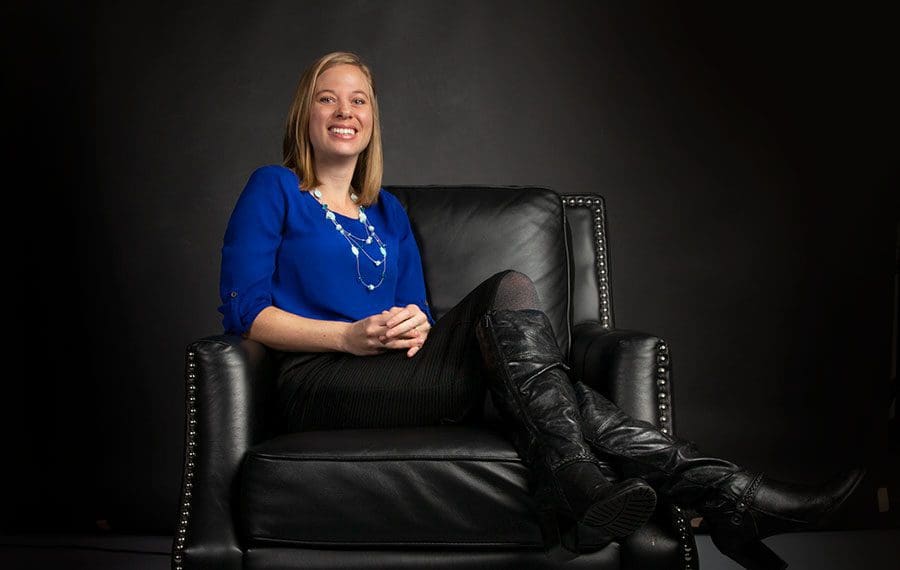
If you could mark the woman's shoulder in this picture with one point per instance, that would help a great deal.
(269, 186)
(392, 209)
(271, 180)
(389, 202)
(273, 173)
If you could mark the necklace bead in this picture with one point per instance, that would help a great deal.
(356, 242)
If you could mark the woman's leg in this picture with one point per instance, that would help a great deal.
(530, 388)
(740, 507)
(445, 383)
(442, 384)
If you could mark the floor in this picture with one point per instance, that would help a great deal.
(846, 550)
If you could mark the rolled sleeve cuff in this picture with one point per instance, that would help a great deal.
(239, 312)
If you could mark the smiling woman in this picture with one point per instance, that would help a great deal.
(333, 122)
(340, 120)
(320, 264)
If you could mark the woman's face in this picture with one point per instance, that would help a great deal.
(340, 120)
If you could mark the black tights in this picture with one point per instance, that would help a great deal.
(442, 384)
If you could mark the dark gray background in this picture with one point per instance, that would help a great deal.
(747, 155)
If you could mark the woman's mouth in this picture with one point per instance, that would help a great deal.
(342, 132)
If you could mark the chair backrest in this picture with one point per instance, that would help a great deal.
(468, 233)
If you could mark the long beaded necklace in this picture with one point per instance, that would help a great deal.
(357, 243)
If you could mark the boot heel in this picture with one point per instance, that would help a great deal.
(560, 536)
(752, 555)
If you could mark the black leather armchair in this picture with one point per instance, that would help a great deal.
(432, 497)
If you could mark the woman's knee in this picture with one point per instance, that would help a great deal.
(515, 277)
(516, 290)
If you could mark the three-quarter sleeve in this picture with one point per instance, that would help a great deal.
(410, 277)
(250, 245)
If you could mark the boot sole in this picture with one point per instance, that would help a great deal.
(622, 512)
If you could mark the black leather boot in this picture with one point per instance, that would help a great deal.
(531, 389)
(739, 507)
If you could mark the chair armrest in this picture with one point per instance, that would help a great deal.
(632, 368)
(229, 383)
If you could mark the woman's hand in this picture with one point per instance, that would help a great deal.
(398, 328)
(407, 327)
(365, 336)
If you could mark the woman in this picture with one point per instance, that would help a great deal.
(321, 265)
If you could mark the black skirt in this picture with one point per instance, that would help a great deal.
(442, 384)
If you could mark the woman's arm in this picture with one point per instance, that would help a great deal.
(286, 331)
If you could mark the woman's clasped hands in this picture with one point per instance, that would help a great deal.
(399, 328)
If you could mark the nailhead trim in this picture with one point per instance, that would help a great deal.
(663, 383)
(597, 207)
(664, 419)
(686, 539)
(190, 456)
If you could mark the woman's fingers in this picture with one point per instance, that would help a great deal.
(399, 315)
(408, 339)
(401, 329)
(406, 320)
(404, 341)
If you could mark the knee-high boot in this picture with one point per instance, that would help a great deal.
(740, 507)
(531, 389)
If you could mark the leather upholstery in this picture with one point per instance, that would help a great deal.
(432, 486)
(466, 234)
(417, 559)
(443, 497)
(612, 360)
(226, 397)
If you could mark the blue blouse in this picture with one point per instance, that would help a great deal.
(280, 250)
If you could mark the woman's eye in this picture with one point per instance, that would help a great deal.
(326, 99)
(359, 101)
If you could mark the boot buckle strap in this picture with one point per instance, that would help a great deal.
(746, 499)
(560, 463)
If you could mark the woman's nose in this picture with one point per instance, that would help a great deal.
(344, 111)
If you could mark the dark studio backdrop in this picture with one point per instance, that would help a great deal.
(747, 155)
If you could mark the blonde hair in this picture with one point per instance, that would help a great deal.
(297, 148)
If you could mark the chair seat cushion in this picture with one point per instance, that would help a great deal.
(442, 486)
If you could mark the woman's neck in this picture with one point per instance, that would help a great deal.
(334, 184)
